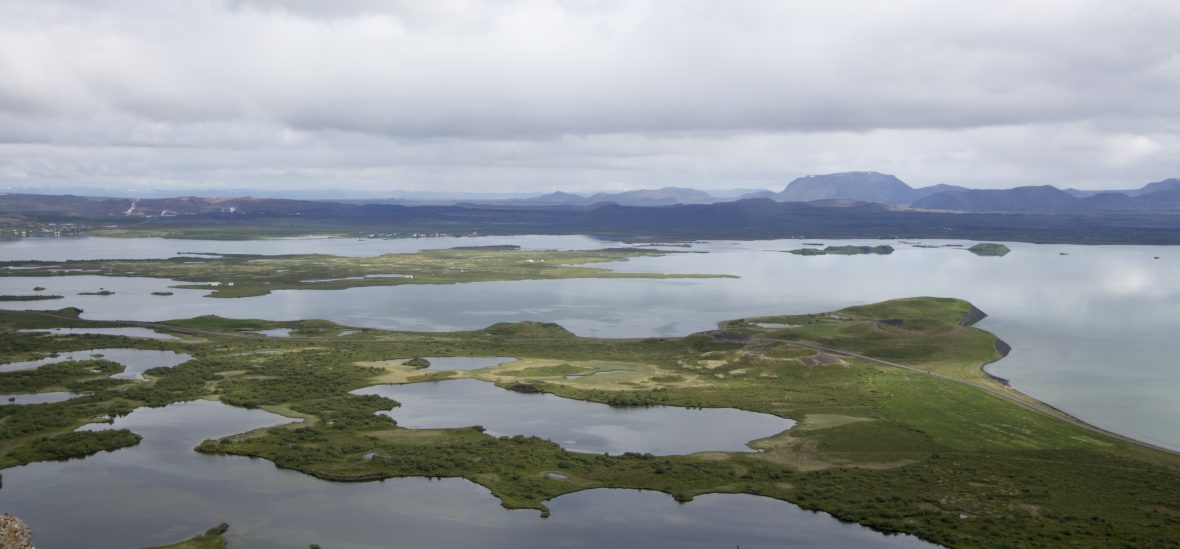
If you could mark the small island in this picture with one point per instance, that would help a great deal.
(989, 249)
(28, 297)
(417, 362)
(845, 250)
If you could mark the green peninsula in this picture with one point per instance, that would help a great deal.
(245, 275)
(898, 428)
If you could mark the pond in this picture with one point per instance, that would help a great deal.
(134, 361)
(576, 425)
(161, 491)
(36, 398)
(465, 362)
(127, 332)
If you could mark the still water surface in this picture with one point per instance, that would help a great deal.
(576, 425)
(135, 361)
(162, 491)
(1093, 331)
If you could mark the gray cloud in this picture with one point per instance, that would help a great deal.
(545, 94)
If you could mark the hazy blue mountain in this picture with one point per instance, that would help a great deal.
(1167, 200)
(923, 192)
(759, 194)
(665, 196)
(1165, 185)
(1042, 199)
(863, 186)
(1172, 184)
(559, 197)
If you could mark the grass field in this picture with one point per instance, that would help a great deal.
(897, 428)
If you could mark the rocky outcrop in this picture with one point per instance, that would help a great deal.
(1003, 347)
(523, 388)
(972, 316)
(14, 533)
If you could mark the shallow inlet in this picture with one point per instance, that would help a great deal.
(160, 491)
(135, 361)
(128, 332)
(576, 425)
(36, 398)
(465, 362)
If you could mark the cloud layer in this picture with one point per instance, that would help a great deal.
(532, 95)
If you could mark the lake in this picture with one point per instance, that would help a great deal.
(1091, 331)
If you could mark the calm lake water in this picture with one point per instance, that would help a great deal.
(1092, 331)
(129, 332)
(135, 361)
(35, 398)
(162, 491)
(61, 249)
(575, 425)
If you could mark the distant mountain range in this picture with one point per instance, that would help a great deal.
(855, 188)
(871, 190)
(1161, 196)
(862, 186)
(665, 196)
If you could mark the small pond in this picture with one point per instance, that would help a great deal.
(128, 332)
(576, 425)
(135, 361)
(37, 398)
(465, 362)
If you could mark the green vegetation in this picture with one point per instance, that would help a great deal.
(253, 275)
(989, 249)
(72, 375)
(28, 297)
(912, 447)
(68, 445)
(845, 250)
(418, 362)
(213, 538)
(100, 292)
(162, 293)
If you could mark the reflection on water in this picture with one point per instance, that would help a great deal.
(161, 491)
(576, 425)
(61, 249)
(127, 332)
(465, 362)
(1092, 331)
(36, 398)
(134, 361)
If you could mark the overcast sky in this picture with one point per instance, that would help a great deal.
(581, 95)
